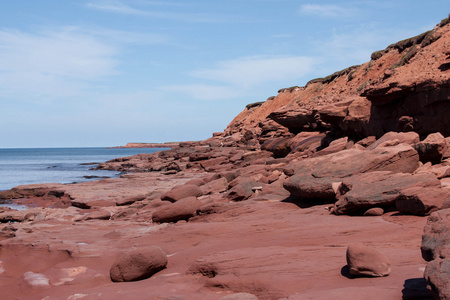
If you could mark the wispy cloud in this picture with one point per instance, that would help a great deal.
(52, 62)
(122, 8)
(205, 91)
(240, 77)
(328, 10)
(255, 70)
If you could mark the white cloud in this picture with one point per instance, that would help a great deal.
(119, 7)
(52, 62)
(327, 10)
(252, 71)
(205, 91)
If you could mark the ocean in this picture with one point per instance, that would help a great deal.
(59, 165)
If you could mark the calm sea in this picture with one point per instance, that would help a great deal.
(60, 165)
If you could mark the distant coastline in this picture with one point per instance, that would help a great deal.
(149, 145)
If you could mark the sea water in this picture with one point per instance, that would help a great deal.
(58, 165)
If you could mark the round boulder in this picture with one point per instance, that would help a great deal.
(138, 264)
(366, 261)
(180, 210)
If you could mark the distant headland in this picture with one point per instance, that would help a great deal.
(150, 145)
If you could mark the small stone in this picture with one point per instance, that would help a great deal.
(373, 212)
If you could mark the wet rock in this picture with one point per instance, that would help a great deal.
(138, 264)
(366, 261)
(183, 209)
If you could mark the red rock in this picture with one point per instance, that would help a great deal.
(420, 201)
(130, 200)
(98, 215)
(242, 190)
(366, 261)
(138, 264)
(432, 148)
(399, 158)
(409, 138)
(358, 193)
(183, 209)
(239, 296)
(437, 275)
(182, 191)
(373, 212)
(216, 186)
(307, 186)
(436, 236)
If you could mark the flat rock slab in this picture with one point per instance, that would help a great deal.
(360, 192)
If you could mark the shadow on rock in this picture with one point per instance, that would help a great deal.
(415, 289)
(304, 202)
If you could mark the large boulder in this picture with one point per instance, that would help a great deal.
(432, 148)
(420, 201)
(309, 187)
(360, 192)
(437, 275)
(436, 236)
(183, 209)
(243, 190)
(182, 191)
(409, 138)
(366, 261)
(399, 158)
(138, 264)
(436, 249)
(313, 178)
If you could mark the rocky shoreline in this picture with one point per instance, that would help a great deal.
(336, 190)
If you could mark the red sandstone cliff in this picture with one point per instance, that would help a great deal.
(402, 88)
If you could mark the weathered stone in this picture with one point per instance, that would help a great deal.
(309, 187)
(138, 264)
(239, 296)
(242, 190)
(436, 237)
(183, 209)
(420, 201)
(366, 261)
(374, 212)
(437, 275)
(216, 186)
(432, 148)
(360, 192)
(182, 191)
(400, 158)
(409, 138)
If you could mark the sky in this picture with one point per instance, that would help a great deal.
(99, 73)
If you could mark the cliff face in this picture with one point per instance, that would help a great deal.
(405, 87)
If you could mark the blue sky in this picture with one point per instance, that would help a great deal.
(78, 73)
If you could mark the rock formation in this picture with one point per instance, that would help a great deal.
(267, 208)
